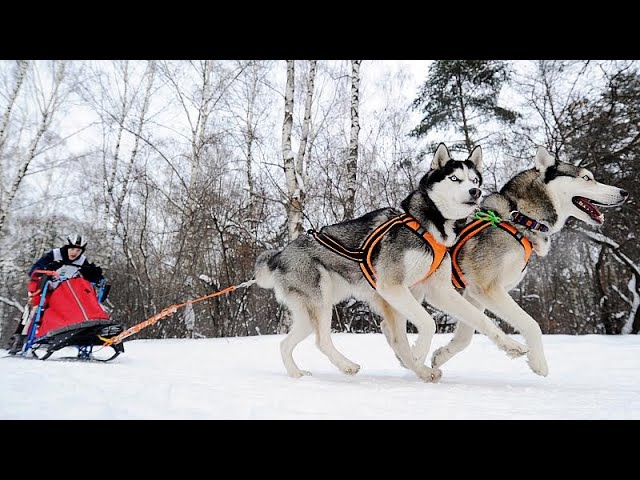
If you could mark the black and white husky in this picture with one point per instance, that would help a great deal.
(393, 259)
(533, 205)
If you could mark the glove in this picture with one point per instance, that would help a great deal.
(91, 272)
(54, 265)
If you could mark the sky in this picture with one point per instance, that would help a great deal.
(591, 377)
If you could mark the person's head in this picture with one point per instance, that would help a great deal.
(74, 247)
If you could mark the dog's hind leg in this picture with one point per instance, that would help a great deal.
(401, 299)
(499, 301)
(388, 324)
(322, 315)
(462, 337)
(300, 329)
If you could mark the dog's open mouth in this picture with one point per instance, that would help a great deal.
(587, 206)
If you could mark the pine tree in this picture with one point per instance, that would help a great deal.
(462, 94)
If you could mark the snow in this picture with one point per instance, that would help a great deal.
(591, 377)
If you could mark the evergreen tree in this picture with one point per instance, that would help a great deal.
(462, 94)
(604, 134)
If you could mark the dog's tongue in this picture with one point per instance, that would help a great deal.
(585, 205)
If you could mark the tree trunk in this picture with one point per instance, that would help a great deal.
(47, 110)
(352, 160)
(463, 112)
(306, 127)
(295, 194)
(21, 73)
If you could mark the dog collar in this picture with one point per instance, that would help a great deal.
(530, 223)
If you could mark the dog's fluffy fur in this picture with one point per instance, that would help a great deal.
(309, 278)
(492, 261)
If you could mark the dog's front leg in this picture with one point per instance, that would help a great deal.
(462, 337)
(499, 301)
(401, 299)
(444, 297)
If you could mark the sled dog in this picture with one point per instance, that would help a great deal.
(491, 255)
(393, 259)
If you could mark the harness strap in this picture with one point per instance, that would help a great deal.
(469, 231)
(370, 243)
(437, 249)
(472, 230)
(336, 247)
(364, 254)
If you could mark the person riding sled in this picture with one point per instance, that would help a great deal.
(67, 261)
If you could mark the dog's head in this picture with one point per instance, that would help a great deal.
(574, 190)
(452, 185)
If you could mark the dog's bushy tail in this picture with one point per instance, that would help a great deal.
(263, 274)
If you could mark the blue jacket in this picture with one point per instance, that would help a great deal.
(42, 263)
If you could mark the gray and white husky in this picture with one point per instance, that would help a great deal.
(392, 259)
(536, 203)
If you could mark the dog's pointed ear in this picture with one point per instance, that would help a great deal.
(476, 158)
(441, 157)
(544, 159)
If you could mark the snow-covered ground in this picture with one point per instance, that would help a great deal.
(591, 377)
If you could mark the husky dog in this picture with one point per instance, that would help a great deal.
(391, 259)
(534, 204)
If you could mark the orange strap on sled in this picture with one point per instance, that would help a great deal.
(473, 229)
(364, 254)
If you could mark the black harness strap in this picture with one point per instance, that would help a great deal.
(336, 247)
(363, 255)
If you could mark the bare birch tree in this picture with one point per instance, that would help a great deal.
(47, 99)
(250, 106)
(294, 166)
(352, 159)
(20, 74)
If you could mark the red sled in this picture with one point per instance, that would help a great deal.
(70, 315)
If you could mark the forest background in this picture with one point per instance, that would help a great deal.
(181, 172)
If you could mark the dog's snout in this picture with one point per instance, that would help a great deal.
(624, 193)
(475, 193)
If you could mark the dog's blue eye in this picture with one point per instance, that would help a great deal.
(586, 177)
(475, 181)
(453, 178)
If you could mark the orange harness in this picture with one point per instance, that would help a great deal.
(363, 255)
(473, 229)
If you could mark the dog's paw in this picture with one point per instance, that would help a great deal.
(351, 369)
(299, 373)
(427, 374)
(538, 365)
(439, 357)
(515, 349)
